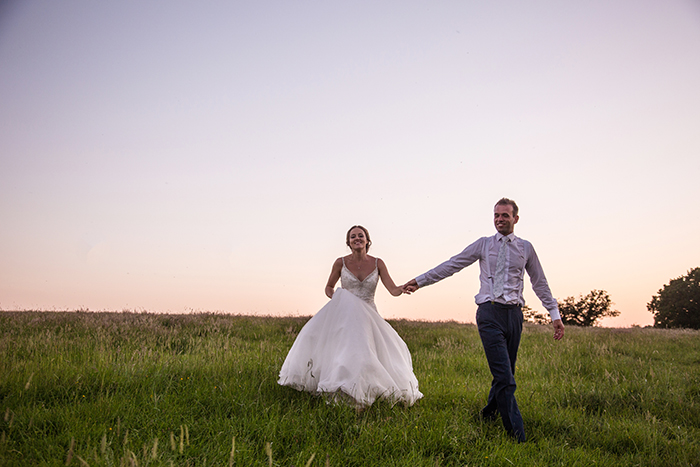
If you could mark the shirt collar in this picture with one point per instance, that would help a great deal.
(510, 236)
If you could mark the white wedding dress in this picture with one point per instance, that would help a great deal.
(348, 352)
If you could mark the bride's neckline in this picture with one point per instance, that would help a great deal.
(353, 274)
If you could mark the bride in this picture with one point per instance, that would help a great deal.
(347, 351)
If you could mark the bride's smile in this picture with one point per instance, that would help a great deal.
(357, 239)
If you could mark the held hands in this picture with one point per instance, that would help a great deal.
(409, 287)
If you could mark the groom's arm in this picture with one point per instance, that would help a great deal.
(453, 265)
(444, 270)
(541, 289)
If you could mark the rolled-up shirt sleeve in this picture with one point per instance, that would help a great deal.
(453, 265)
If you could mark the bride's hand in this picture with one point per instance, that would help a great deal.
(409, 287)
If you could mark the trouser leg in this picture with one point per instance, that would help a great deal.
(500, 328)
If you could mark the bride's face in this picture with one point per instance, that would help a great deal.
(358, 240)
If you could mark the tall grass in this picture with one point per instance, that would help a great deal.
(112, 389)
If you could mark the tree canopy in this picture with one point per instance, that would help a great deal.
(534, 316)
(586, 311)
(677, 304)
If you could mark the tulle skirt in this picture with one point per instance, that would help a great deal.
(349, 352)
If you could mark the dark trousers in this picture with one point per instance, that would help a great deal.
(500, 327)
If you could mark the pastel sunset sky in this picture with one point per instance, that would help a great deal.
(210, 156)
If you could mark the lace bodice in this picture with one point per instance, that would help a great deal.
(365, 289)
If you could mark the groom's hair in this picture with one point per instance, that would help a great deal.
(347, 236)
(508, 202)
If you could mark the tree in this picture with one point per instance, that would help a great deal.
(678, 304)
(534, 316)
(587, 310)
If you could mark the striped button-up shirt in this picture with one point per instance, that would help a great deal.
(520, 257)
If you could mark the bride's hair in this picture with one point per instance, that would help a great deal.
(347, 236)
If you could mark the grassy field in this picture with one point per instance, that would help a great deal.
(105, 389)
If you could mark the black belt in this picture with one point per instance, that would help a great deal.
(503, 305)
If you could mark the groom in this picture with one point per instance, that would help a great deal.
(503, 260)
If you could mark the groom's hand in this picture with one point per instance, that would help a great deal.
(558, 329)
(410, 287)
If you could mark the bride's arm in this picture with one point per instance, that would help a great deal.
(333, 279)
(387, 280)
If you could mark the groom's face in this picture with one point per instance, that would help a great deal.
(503, 219)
